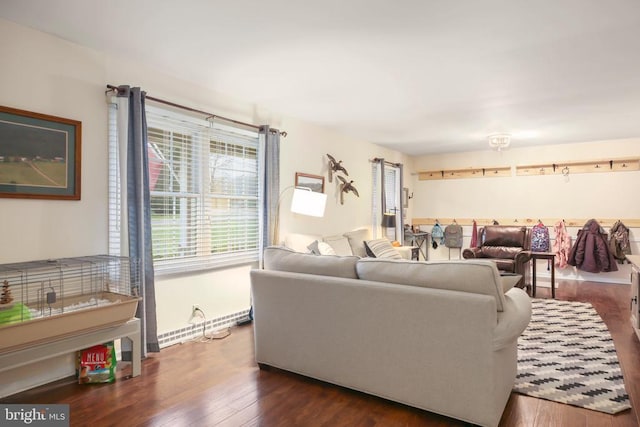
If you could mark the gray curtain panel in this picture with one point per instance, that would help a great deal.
(383, 191)
(139, 213)
(400, 213)
(271, 187)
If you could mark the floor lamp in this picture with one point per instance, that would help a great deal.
(304, 202)
(389, 221)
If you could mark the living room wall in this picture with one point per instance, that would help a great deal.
(45, 74)
(578, 196)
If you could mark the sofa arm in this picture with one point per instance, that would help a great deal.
(514, 319)
(404, 251)
(471, 253)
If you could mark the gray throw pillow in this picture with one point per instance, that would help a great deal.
(313, 247)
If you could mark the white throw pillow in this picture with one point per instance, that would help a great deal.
(356, 241)
(340, 244)
(325, 249)
(382, 248)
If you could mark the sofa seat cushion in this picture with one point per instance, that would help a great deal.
(473, 276)
(284, 259)
(503, 252)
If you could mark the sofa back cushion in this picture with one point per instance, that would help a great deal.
(502, 235)
(477, 276)
(284, 259)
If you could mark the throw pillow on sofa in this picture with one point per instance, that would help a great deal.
(381, 248)
(313, 247)
(340, 245)
(357, 239)
(321, 248)
(300, 242)
(325, 249)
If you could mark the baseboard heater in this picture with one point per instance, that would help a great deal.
(194, 331)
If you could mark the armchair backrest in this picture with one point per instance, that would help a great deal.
(503, 241)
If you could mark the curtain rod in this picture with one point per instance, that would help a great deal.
(377, 160)
(209, 115)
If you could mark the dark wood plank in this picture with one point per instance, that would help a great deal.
(218, 383)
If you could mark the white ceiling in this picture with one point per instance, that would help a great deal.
(419, 76)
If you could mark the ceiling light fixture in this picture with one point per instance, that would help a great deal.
(498, 141)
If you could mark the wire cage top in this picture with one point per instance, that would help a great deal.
(39, 289)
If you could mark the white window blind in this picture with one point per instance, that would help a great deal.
(204, 192)
(115, 226)
(392, 194)
(391, 188)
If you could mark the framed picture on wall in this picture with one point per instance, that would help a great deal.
(39, 156)
(405, 197)
(313, 182)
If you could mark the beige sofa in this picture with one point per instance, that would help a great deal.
(439, 336)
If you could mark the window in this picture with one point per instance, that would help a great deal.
(204, 188)
(392, 196)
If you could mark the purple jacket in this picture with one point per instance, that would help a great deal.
(591, 250)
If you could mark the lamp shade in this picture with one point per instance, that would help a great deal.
(389, 220)
(307, 202)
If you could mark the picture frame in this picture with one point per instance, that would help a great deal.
(405, 197)
(314, 182)
(40, 155)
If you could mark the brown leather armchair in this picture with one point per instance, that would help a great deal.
(507, 246)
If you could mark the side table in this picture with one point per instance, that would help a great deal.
(421, 241)
(548, 256)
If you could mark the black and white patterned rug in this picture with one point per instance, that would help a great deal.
(566, 355)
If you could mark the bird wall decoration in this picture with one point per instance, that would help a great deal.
(346, 187)
(335, 166)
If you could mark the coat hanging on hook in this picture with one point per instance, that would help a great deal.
(474, 235)
(561, 244)
(591, 250)
(619, 241)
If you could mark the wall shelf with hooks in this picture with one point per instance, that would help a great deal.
(589, 166)
(529, 222)
(492, 172)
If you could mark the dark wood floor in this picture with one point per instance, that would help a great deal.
(218, 383)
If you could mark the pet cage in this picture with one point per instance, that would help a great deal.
(46, 300)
